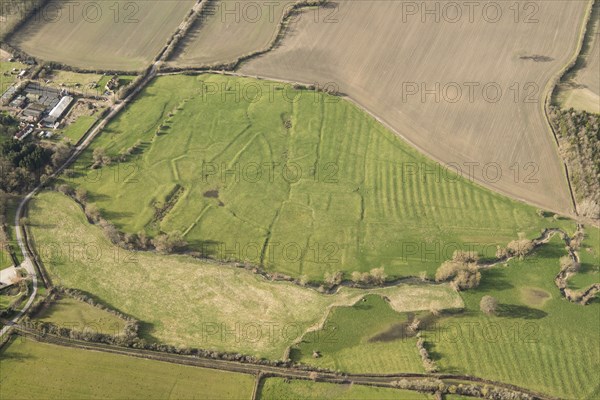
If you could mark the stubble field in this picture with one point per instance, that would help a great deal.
(228, 30)
(101, 35)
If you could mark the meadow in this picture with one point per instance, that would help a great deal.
(278, 388)
(461, 89)
(120, 36)
(76, 129)
(367, 337)
(554, 342)
(187, 302)
(10, 78)
(301, 187)
(77, 315)
(49, 371)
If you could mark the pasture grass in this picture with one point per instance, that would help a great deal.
(33, 370)
(279, 388)
(301, 187)
(71, 313)
(188, 302)
(549, 345)
(367, 337)
(75, 130)
(6, 67)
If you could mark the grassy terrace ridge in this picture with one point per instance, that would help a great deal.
(33, 370)
(184, 301)
(278, 388)
(538, 339)
(352, 196)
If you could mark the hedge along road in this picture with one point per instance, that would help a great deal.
(381, 380)
(149, 74)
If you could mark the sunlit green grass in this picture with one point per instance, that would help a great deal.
(353, 196)
(32, 370)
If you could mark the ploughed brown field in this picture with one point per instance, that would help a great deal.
(229, 29)
(101, 35)
(467, 89)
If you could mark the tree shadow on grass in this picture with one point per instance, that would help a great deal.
(494, 279)
(516, 311)
(146, 329)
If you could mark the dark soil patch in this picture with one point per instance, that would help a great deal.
(537, 58)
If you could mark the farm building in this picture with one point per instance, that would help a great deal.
(58, 111)
(22, 134)
(9, 94)
(19, 102)
(33, 112)
(46, 96)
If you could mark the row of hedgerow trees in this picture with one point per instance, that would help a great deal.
(578, 135)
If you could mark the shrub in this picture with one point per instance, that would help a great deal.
(488, 305)
(567, 264)
(92, 212)
(378, 275)
(332, 279)
(520, 247)
(465, 256)
(169, 243)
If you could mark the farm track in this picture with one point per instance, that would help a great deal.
(380, 380)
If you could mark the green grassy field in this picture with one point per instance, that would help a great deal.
(77, 315)
(364, 338)
(183, 301)
(538, 339)
(8, 296)
(75, 131)
(352, 196)
(10, 78)
(32, 370)
(278, 388)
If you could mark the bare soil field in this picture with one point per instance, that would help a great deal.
(465, 86)
(230, 29)
(101, 35)
(580, 88)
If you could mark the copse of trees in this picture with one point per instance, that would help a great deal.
(463, 275)
(516, 248)
(23, 165)
(578, 134)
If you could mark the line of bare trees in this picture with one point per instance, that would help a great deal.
(578, 134)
